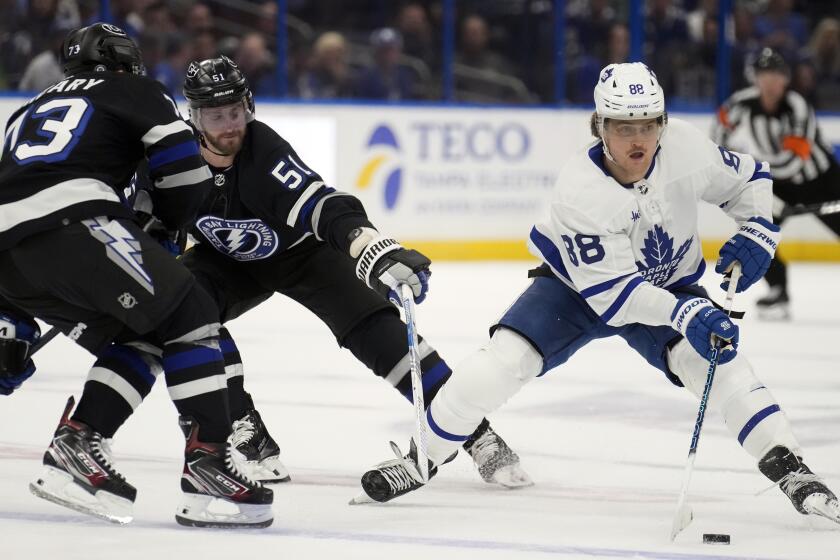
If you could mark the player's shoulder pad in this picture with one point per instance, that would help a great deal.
(584, 189)
(685, 148)
(743, 95)
(264, 142)
(798, 104)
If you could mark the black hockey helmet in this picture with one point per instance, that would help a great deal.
(770, 60)
(215, 82)
(99, 47)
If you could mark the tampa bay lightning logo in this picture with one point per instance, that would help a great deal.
(660, 259)
(243, 240)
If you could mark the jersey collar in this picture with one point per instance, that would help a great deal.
(596, 154)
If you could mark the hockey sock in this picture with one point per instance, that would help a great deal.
(777, 273)
(380, 343)
(117, 383)
(750, 411)
(478, 386)
(240, 400)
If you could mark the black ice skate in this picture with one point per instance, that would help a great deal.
(775, 306)
(216, 494)
(255, 451)
(78, 473)
(393, 478)
(495, 460)
(806, 491)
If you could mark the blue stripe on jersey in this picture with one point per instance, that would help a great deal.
(690, 279)
(440, 431)
(191, 358)
(549, 251)
(753, 422)
(759, 174)
(622, 297)
(130, 357)
(179, 151)
(603, 286)
(305, 216)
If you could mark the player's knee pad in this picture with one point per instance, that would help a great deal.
(749, 409)
(489, 377)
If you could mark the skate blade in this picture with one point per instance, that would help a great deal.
(511, 477)
(774, 313)
(200, 510)
(95, 507)
(362, 499)
(820, 505)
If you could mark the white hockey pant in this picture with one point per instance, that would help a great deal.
(480, 384)
(750, 411)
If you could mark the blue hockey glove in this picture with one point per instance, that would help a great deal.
(384, 264)
(16, 340)
(753, 246)
(701, 323)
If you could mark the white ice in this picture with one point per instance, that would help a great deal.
(605, 437)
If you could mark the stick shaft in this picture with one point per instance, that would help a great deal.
(407, 299)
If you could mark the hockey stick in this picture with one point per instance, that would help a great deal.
(818, 209)
(684, 514)
(407, 300)
(45, 338)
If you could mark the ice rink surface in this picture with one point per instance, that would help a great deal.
(605, 437)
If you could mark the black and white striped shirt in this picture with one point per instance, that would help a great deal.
(69, 153)
(789, 139)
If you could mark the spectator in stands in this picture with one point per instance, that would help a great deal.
(591, 21)
(329, 75)
(823, 54)
(387, 78)
(157, 17)
(199, 18)
(475, 51)
(44, 70)
(781, 28)
(618, 44)
(418, 39)
(257, 62)
(666, 38)
(204, 45)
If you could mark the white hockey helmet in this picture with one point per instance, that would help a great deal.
(628, 91)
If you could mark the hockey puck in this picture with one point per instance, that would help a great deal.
(712, 538)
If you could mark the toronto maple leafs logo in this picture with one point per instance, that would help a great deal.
(660, 259)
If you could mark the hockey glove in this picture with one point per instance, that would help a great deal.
(384, 264)
(753, 246)
(16, 340)
(173, 241)
(701, 323)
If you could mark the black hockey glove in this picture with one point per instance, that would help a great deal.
(173, 241)
(384, 264)
(16, 340)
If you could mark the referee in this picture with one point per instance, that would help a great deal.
(777, 125)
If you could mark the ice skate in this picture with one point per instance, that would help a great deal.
(806, 491)
(496, 462)
(775, 306)
(78, 473)
(255, 452)
(216, 494)
(393, 478)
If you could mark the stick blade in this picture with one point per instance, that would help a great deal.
(682, 519)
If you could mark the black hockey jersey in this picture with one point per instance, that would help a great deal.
(789, 139)
(69, 153)
(269, 200)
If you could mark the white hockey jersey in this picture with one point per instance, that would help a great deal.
(625, 248)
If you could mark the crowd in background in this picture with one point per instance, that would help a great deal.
(393, 50)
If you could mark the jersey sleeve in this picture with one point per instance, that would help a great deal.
(290, 194)
(594, 255)
(179, 177)
(738, 183)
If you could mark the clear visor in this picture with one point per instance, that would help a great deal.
(647, 130)
(217, 120)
